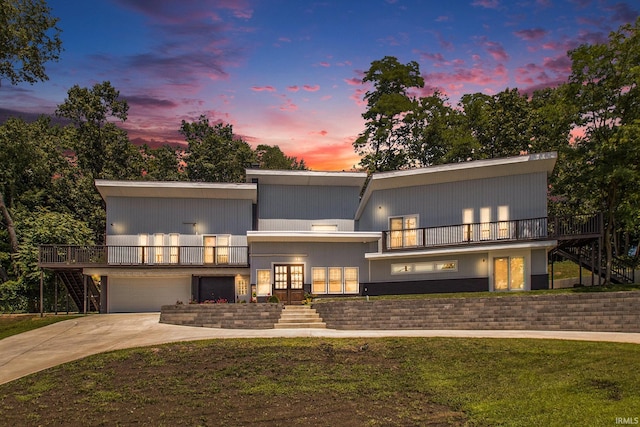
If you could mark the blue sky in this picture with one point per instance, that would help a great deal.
(288, 73)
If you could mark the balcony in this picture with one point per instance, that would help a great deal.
(65, 256)
(466, 234)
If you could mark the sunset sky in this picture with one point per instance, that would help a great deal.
(288, 72)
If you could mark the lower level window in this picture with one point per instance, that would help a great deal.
(508, 273)
(335, 280)
(263, 282)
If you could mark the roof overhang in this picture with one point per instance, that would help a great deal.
(177, 189)
(313, 236)
(454, 250)
(302, 177)
(465, 171)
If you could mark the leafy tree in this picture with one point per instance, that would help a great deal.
(30, 154)
(500, 123)
(162, 163)
(102, 149)
(439, 133)
(384, 139)
(604, 87)
(271, 157)
(43, 227)
(28, 39)
(213, 153)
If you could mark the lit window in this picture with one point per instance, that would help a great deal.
(324, 227)
(263, 282)
(508, 273)
(216, 249)
(403, 231)
(425, 267)
(351, 283)
(319, 280)
(335, 280)
(174, 242)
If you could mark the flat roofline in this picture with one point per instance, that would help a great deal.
(306, 177)
(177, 189)
(313, 236)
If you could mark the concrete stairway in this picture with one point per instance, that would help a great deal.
(299, 316)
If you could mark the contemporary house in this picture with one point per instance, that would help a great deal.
(474, 226)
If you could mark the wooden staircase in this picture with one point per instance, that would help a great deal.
(73, 280)
(299, 316)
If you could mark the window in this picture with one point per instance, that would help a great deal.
(485, 223)
(174, 243)
(403, 231)
(425, 267)
(216, 249)
(263, 282)
(351, 280)
(318, 280)
(508, 273)
(143, 251)
(335, 280)
(242, 285)
(324, 227)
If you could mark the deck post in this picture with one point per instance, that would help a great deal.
(41, 293)
(55, 295)
(84, 299)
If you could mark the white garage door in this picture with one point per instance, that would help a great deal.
(137, 294)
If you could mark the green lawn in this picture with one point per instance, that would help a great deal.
(329, 382)
(17, 324)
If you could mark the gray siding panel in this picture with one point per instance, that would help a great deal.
(159, 215)
(307, 202)
(443, 204)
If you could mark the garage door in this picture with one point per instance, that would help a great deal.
(137, 294)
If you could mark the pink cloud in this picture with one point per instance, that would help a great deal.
(488, 4)
(293, 88)
(324, 64)
(531, 34)
(326, 98)
(495, 49)
(438, 57)
(263, 89)
(310, 88)
(319, 133)
(353, 81)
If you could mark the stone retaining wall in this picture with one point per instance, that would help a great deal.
(606, 311)
(229, 316)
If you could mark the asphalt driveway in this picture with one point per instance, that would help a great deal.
(74, 339)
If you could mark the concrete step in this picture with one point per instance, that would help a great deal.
(300, 325)
(299, 316)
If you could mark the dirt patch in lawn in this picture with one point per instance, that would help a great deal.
(232, 382)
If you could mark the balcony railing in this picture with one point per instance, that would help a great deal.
(464, 234)
(66, 255)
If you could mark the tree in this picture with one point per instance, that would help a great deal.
(500, 123)
(271, 157)
(102, 149)
(162, 163)
(28, 39)
(213, 153)
(439, 133)
(383, 142)
(604, 86)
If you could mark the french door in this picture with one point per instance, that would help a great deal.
(288, 285)
(508, 273)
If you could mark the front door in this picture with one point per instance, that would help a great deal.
(289, 282)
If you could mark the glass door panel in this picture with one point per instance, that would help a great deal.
(501, 274)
